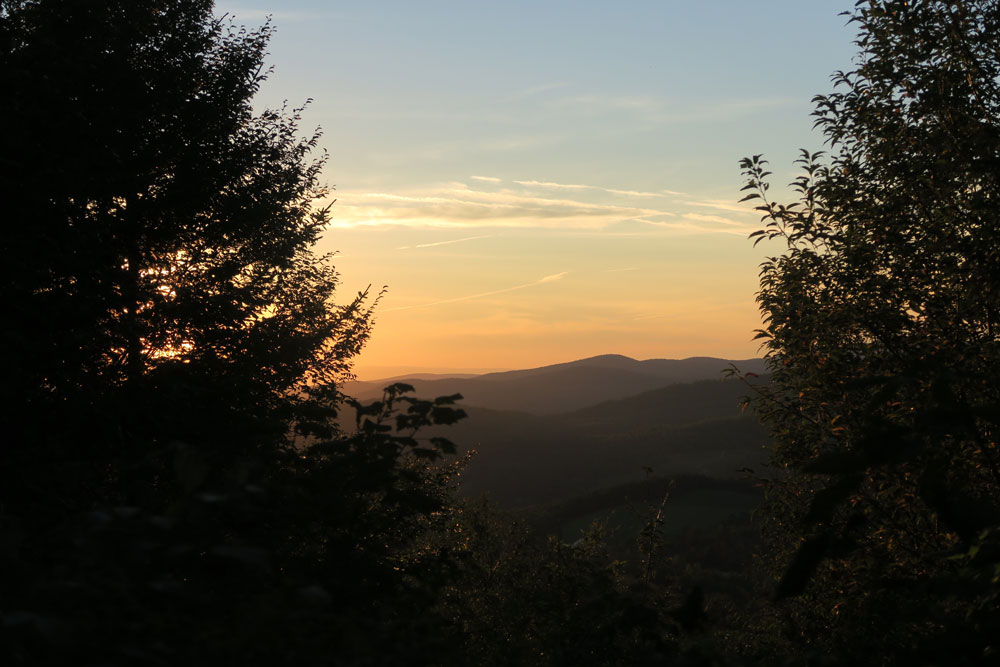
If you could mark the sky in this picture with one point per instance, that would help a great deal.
(528, 183)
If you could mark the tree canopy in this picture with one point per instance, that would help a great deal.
(173, 484)
(159, 228)
(881, 327)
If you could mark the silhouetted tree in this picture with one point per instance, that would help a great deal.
(881, 327)
(173, 485)
(158, 245)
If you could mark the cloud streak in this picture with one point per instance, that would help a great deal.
(578, 186)
(470, 297)
(449, 242)
(698, 217)
(541, 88)
(461, 206)
(534, 204)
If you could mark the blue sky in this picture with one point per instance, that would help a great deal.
(536, 182)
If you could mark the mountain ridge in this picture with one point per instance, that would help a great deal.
(565, 386)
(689, 428)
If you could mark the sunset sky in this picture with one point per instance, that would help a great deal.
(536, 182)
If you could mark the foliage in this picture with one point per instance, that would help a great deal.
(174, 487)
(316, 557)
(160, 255)
(177, 484)
(881, 328)
(518, 598)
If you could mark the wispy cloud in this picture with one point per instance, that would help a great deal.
(541, 88)
(578, 186)
(487, 179)
(449, 242)
(547, 184)
(632, 193)
(698, 217)
(568, 206)
(458, 205)
(541, 281)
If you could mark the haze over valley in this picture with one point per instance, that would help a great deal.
(553, 436)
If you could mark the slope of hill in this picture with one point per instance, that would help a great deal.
(693, 502)
(563, 387)
(682, 403)
(418, 376)
(524, 459)
(674, 370)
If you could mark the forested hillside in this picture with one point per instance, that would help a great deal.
(567, 386)
(687, 428)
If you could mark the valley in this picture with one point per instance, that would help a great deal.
(571, 443)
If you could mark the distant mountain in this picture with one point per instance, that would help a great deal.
(675, 370)
(419, 376)
(693, 428)
(563, 387)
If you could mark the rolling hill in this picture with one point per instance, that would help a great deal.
(690, 428)
(550, 390)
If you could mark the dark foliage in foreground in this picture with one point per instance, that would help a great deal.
(174, 485)
(883, 333)
(171, 342)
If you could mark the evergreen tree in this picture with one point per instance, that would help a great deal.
(158, 246)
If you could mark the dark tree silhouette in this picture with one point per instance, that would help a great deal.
(882, 334)
(158, 245)
(173, 485)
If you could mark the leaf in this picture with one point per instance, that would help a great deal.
(445, 416)
(444, 445)
(397, 388)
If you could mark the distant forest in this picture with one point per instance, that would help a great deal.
(188, 475)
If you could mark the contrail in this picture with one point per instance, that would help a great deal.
(540, 281)
(467, 238)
